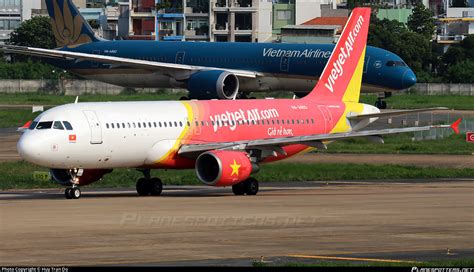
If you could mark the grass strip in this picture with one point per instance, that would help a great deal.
(19, 175)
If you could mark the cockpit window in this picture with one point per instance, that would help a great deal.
(33, 125)
(58, 125)
(67, 125)
(392, 63)
(44, 125)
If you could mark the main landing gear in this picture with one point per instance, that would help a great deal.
(73, 192)
(148, 186)
(248, 186)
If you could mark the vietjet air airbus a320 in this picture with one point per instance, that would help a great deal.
(224, 140)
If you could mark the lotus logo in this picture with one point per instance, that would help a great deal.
(378, 64)
(66, 28)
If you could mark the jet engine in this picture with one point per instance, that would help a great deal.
(224, 168)
(77, 176)
(213, 84)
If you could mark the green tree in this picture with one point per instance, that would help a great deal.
(468, 45)
(412, 47)
(457, 61)
(421, 21)
(462, 72)
(35, 32)
(454, 55)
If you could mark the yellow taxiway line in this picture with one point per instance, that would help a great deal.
(348, 258)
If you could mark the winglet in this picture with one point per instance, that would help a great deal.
(455, 126)
(25, 126)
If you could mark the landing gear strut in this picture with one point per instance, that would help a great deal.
(149, 186)
(73, 192)
(380, 103)
(248, 186)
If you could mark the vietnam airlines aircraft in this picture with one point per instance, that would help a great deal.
(225, 141)
(206, 70)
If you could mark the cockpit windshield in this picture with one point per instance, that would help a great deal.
(60, 125)
(392, 63)
(67, 125)
(33, 125)
(44, 125)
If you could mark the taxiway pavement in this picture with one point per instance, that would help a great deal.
(408, 220)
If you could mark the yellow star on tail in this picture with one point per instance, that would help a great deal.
(235, 168)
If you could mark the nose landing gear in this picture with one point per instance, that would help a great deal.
(381, 103)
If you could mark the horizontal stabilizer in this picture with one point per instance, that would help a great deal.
(391, 113)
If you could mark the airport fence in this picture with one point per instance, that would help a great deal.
(70, 87)
(80, 87)
(467, 125)
(443, 89)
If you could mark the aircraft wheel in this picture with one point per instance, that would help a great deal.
(143, 188)
(251, 186)
(68, 193)
(155, 186)
(300, 94)
(238, 189)
(75, 193)
(381, 104)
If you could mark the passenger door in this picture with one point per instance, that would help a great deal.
(95, 127)
(180, 57)
(285, 64)
(328, 123)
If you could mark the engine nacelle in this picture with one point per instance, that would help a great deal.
(223, 168)
(78, 177)
(213, 84)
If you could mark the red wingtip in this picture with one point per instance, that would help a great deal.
(455, 125)
(27, 124)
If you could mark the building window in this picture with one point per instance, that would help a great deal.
(284, 15)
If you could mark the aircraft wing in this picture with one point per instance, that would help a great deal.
(143, 64)
(310, 140)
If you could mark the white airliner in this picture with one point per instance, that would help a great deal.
(224, 140)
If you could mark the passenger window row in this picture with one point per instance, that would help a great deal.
(207, 123)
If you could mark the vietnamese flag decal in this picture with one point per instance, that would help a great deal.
(72, 137)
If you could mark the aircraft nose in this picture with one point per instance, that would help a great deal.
(408, 79)
(28, 149)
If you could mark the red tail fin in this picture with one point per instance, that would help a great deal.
(341, 78)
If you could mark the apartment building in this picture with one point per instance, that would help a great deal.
(288, 13)
(456, 25)
(201, 20)
(241, 20)
(12, 13)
